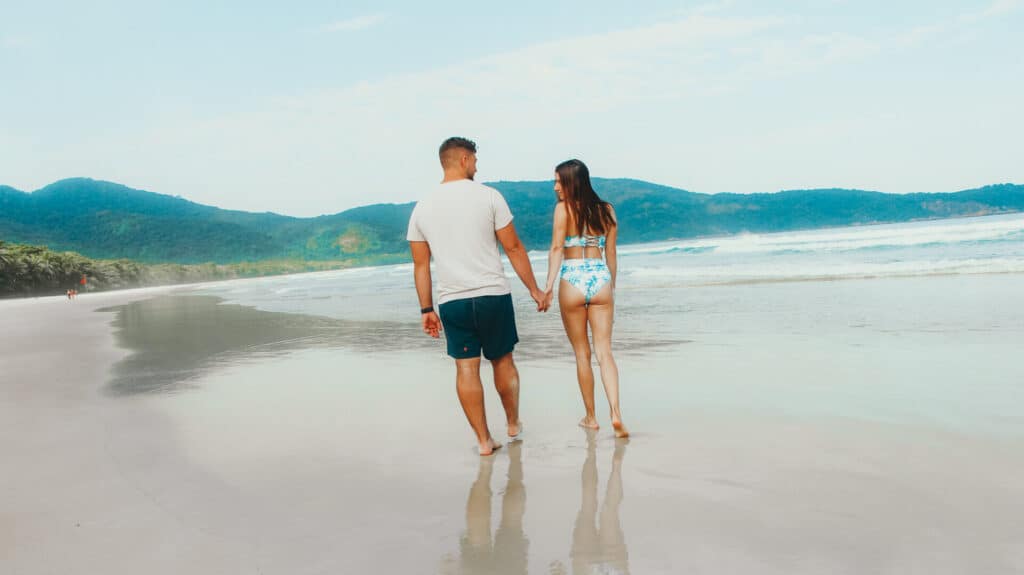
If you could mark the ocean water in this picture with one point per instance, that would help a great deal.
(662, 285)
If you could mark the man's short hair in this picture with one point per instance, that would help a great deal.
(452, 144)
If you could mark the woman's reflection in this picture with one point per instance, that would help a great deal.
(600, 547)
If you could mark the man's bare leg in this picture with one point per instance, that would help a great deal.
(471, 396)
(506, 382)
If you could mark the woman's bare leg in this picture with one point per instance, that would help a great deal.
(574, 317)
(601, 317)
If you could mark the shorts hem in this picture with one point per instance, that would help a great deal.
(510, 349)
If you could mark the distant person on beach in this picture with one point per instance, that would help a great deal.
(460, 224)
(583, 257)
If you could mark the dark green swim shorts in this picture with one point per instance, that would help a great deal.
(485, 323)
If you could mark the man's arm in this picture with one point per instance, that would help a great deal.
(421, 271)
(516, 252)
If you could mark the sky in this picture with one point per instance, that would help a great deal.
(315, 107)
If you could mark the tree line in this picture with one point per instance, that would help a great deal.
(27, 270)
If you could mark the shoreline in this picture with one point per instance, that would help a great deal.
(540, 256)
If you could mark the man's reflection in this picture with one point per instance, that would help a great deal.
(507, 552)
(600, 547)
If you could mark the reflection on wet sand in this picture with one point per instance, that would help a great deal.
(598, 542)
(177, 338)
(600, 546)
(507, 551)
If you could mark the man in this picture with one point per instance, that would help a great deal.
(460, 224)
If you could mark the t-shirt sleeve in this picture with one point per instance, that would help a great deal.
(414, 234)
(502, 215)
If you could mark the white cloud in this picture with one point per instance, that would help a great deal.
(792, 56)
(354, 24)
(999, 7)
(15, 41)
(341, 147)
(708, 8)
(705, 102)
(957, 25)
(919, 34)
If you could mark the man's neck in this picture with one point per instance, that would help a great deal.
(454, 177)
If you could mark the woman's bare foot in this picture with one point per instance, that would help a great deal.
(514, 429)
(620, 430)
(589, 423)
(489, 447)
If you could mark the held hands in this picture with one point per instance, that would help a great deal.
(431, 324)
(543, 302)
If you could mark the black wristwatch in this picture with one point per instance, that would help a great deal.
(426, 310)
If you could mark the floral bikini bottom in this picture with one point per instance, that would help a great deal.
(587, 275)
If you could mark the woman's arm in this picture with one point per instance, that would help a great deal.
(610, 255)
(557, 245)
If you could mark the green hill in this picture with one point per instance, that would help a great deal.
(110, 221)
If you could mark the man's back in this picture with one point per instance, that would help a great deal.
(458, 220)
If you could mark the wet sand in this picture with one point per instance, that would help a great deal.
(174, 434)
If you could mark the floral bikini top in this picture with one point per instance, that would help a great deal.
(584, 241)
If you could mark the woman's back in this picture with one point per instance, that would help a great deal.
(583, 244)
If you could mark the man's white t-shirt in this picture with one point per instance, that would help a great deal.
(458, 221)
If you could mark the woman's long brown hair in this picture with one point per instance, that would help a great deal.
(590, 214)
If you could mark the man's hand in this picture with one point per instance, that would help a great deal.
(541, 299)
(431, 324)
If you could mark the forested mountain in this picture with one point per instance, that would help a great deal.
(107, 220)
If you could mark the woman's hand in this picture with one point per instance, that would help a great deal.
(549, 298)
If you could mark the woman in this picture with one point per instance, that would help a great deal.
(584, 227)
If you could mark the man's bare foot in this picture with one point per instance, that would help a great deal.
(514, 429)
(589, 423)
(620, 430)
(489, 447)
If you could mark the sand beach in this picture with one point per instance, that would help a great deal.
(169, 430)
